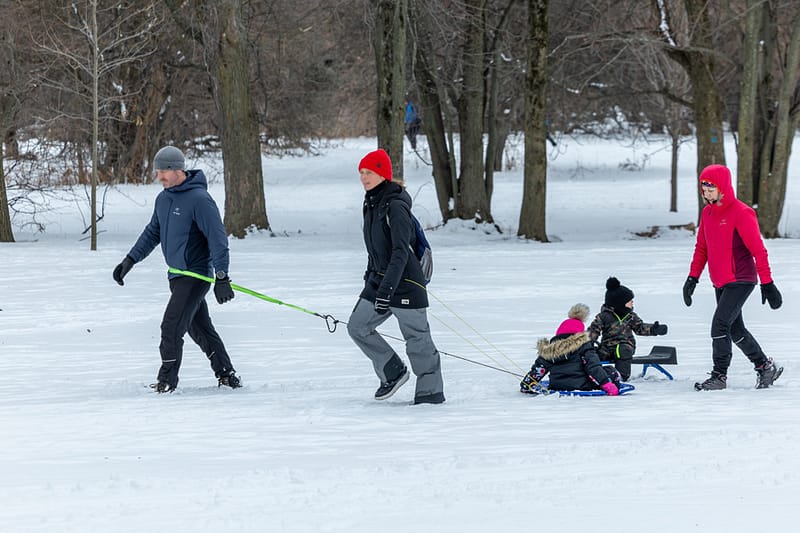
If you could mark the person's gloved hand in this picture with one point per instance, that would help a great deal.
(688, 290)
(223, 290)
(123, 268)
(610, 388)
(659, 329)
(770, 293)
(381, 305)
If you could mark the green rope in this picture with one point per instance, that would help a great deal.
(329, 320)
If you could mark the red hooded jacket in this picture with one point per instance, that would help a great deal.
(728, 238)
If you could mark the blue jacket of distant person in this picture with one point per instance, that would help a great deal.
(187, 224)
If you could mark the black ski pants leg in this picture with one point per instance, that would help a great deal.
(187, 312)
(202, 332)
(727, 326)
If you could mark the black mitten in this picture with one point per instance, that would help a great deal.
(770, 293)
(659, 329)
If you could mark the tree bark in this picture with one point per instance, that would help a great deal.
(532, 218)
(473, 202)
(431, 109)
(698, 62)
(751, 77)
(8, 86)
(673, 170)
(775, 159)
(245, 206)
(389, 41)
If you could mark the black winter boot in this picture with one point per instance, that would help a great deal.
(229, 380)
(162, 387)
(717, 381)
(768, 373)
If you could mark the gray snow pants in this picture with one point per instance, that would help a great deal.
(422, 354)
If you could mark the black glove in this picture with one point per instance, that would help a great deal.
(659, 329)
(123, 268)
(222, 290)
(769, 293)
(381, 305)
(688, 290)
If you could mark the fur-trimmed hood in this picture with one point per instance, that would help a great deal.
(560, 348)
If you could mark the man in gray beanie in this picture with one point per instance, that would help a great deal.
(187, 224)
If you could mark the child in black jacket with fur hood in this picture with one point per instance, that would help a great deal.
(571, 360)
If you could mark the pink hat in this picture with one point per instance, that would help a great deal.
(574, 324)
(378, 162)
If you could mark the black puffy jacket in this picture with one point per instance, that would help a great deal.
(393, 270)
(571, 361)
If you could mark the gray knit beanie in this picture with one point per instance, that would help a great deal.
(169, 158)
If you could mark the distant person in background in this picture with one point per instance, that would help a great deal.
(571, 360)
(729, 240)
(394, 285)
(412, 124)
(615, 326)
(187, 224)
(547, 133)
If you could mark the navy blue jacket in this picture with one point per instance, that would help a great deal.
(188, 225)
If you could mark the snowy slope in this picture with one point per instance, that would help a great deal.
(86, 446)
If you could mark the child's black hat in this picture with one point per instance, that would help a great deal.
(617, 295)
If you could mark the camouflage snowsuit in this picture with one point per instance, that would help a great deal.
(618, 343)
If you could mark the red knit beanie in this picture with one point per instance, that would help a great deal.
(378, 162)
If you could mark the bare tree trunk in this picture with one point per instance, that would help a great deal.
(431, 109)
(389, 41)
(698, 62)
(6, 233)
(245, 206)
(673, 171)
(491, 123)
(95, 120)
(775, 161)
(473, 201)
(751, 76)
(8, 88)
(532, 219)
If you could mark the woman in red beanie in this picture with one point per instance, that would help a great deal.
(394, 285)
(729, 241)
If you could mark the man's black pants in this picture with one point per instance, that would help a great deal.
(187, 311)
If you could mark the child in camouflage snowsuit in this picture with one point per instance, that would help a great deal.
(615, 326)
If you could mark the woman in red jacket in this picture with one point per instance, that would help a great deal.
(729, 241)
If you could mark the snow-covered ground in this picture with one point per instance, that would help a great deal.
(86, 446)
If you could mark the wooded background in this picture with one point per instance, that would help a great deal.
(91, 89)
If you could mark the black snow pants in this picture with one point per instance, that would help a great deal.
(187, 311)
(727, 326)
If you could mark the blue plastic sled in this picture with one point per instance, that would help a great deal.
(623, 389)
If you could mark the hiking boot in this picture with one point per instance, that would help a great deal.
(388, 388)
(229, 380)
(717, 381)
(162, 387)
(768, 373)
